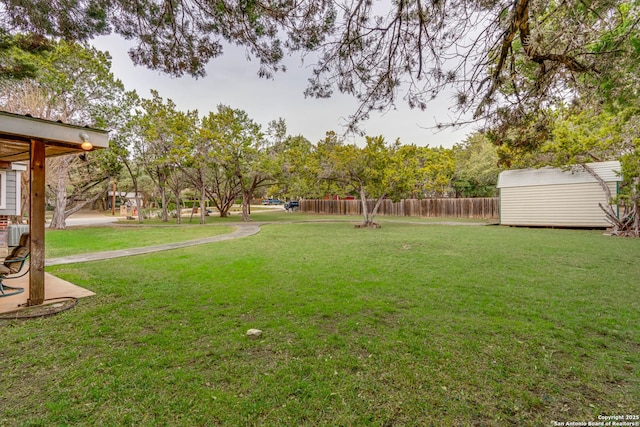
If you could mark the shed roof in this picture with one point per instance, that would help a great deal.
(608, 171)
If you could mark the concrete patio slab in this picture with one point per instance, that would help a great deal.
(55, 289)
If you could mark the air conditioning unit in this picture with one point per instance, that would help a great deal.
(15, 231)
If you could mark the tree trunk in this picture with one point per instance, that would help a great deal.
(627, 226)
(365, 207)
(76, 207)
(223, 208)
(178, 209)
(374, 212)
(635, 206)
(369, 215)
(224, 202)
(246, 200)
(203, 198)
(134, 179)
(138, 204)
(163, 201)
(58, 220)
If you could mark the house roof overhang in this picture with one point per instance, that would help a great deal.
(24, 138)
(17, 132)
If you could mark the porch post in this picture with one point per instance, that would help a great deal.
(36, 223)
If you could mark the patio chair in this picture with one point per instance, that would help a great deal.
(13, 265)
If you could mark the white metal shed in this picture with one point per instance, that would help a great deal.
(552, 197)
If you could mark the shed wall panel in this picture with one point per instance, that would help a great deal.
(568, 205)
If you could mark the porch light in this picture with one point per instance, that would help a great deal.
(86, 144)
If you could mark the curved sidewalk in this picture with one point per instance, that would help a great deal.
(242, 230)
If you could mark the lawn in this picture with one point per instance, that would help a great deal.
(59, 243)
(405, 325)
(278, 214)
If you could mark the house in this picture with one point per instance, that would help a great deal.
(10, 201)
(122, 197)
(552, 197)
(10, 187)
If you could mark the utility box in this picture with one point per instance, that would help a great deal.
(15, 231)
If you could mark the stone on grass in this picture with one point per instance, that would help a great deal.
(254, 333)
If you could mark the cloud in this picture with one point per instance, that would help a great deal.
(232, 80)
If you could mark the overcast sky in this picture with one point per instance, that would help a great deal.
(233, 81)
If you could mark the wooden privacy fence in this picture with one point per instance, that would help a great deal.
(486, 208)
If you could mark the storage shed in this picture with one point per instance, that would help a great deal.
(552, 197)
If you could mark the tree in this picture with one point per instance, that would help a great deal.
(375, 171)
(185, 128)
(321, 169)
(629, 224)
(164, 130)
(576, 138)
(74, 85)
(435, 171)
(196, 164)
(123, 132)
(293, 158)
(181, 36)
(223, 185)
(18, 54)
(240, 151)
(291, 155)
(476, 167)
(380, 171)
(505, 59)
(610, 135)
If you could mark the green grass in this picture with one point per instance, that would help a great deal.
(82, 240)
(406, 325)
(278, 214)
(262, 215)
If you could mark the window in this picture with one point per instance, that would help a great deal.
(3, 190)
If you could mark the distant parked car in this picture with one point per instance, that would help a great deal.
(272, 202)
(292, 205)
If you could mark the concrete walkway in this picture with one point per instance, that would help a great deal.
(242, 230)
